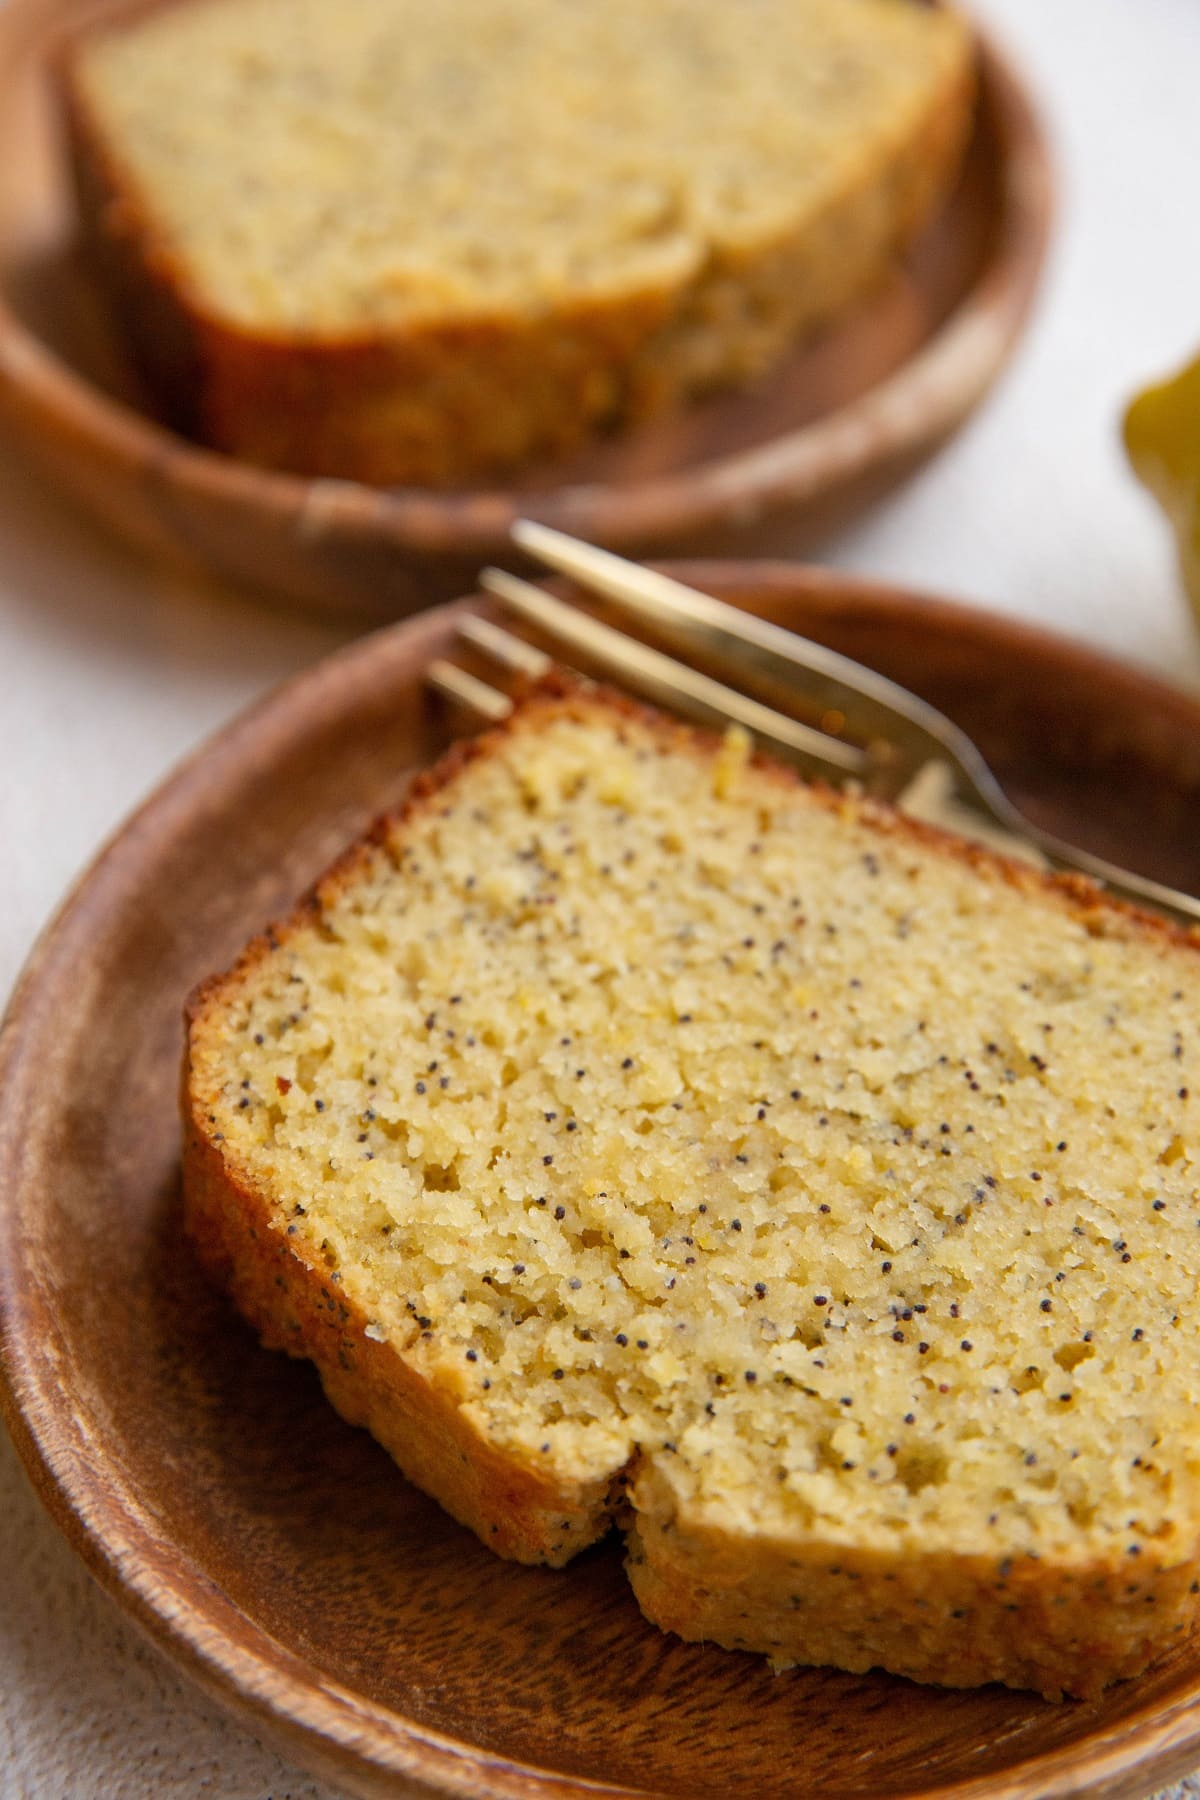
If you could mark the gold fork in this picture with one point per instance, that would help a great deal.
(870, 730)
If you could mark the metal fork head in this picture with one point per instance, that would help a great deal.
(868, 730)
(899, 732)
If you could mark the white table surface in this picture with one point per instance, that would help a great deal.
(110, 670)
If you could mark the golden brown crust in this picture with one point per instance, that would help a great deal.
(956, 1621)
(144, 287)
(440, 405)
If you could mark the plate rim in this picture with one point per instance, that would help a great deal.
(891, 424)
(231, 1656)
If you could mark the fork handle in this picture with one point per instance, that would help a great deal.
(1139, 890)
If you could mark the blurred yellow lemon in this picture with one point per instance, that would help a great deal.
(1162, 436)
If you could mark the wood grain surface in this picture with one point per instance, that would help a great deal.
(277, 1554)
(838, 424)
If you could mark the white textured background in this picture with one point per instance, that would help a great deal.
(110, 671)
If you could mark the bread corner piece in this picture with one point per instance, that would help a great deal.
(532, 1509)
(404, 243)
(629, 1130)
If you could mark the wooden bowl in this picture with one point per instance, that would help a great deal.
(277, 1554)
(845, 418)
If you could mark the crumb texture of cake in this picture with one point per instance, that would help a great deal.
(403, 242)
(627, 1129)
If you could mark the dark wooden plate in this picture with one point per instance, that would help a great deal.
(845, 418)
(277, 1554)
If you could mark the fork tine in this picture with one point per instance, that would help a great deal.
(869, 701)
(467, 690)
(668, 681)
(509, 651)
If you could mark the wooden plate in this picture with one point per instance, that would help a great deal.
(843, 420)
(276, 1553)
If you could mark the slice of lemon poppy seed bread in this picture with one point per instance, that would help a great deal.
(405, 242)
(627, 1126)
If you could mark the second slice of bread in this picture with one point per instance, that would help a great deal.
(421, 243)
(626, 1128)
